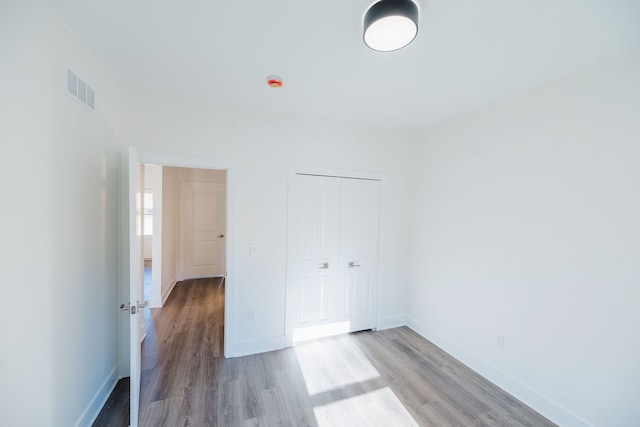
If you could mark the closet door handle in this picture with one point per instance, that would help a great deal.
(353, 264)
(324, 265)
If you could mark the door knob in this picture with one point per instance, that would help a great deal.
(324, 265)
(353, 264)
(143, 304)
(128, 307)
(221, 235)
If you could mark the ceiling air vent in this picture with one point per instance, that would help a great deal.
(80, 90)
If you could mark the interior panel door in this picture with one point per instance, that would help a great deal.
(202, 229)
(314, 215)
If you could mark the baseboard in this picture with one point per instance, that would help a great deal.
(532, 398)
(245, 348)
(168, 291)
(95, 406)
(389, 322)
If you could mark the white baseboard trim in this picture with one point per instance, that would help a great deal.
(168, 291)
(99, 399)
(537, 401)
(245, 348)
(389, 322)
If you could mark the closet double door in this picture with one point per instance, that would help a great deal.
(332, 269)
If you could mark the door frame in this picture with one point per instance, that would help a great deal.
(335, 173)
(230, 166)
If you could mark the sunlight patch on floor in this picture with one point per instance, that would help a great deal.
(333, 363)
(320, 331)
(377, 408)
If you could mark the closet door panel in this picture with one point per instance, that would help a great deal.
(360, 218)
(314, 215)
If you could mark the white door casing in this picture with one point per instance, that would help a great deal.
(202, 229)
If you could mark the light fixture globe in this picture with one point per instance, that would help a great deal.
(390, 25)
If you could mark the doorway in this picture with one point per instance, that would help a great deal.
(181, 221)
(132, 341)
(189, 227)
(227, 168)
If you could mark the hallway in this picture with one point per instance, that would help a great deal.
(184, 344)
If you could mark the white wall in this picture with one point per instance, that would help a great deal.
(59, 219)
(170, 229)
(527, 225)
(264, 144)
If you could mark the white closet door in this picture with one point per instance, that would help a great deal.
(359, 236)
(314, 227)
(332, 267)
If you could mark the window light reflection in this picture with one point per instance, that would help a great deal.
(376, 408)
(333, 363)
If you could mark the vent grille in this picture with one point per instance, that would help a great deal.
(80, 90)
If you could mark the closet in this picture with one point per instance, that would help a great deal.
(332, 260)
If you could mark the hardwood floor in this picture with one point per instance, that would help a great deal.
(183, 347)
(393, 377)
(115, 412)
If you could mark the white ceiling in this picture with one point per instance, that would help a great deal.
(467, 53)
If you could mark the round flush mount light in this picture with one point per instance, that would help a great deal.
(274, 81)
(390, 25)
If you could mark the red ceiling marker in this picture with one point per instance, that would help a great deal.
(274, 81)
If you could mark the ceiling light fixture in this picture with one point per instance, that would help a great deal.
(390, 25)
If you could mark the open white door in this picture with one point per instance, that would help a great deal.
(135, 274)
